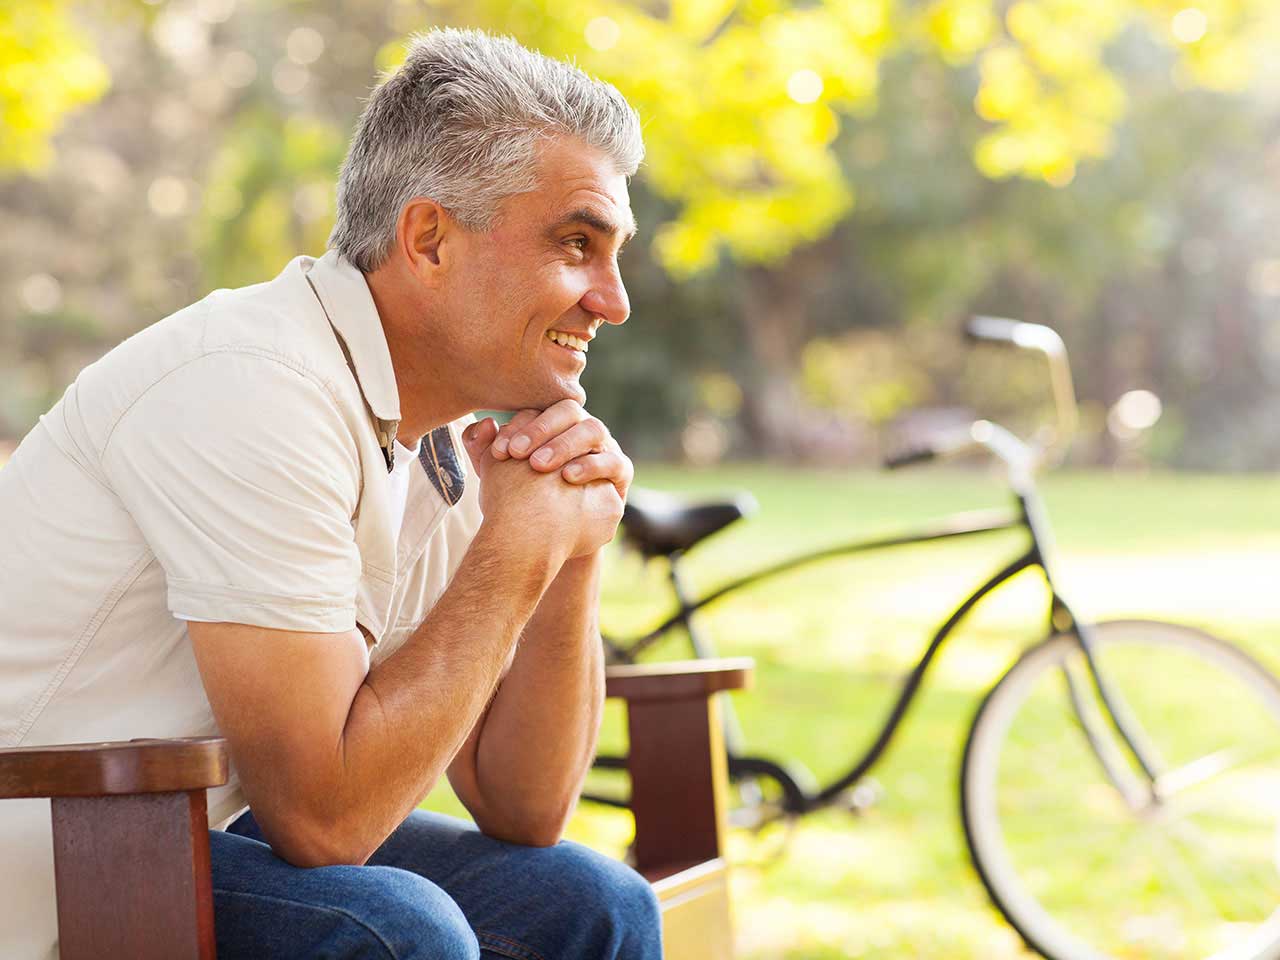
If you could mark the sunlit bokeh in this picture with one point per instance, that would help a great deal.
(602, 33)
(1190, 25)
(804, 86)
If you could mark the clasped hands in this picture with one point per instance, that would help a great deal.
(555, 474)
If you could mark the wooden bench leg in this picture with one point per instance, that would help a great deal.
(679, 782)
(132, 876)
(679, 791)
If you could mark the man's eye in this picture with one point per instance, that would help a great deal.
(578, 242)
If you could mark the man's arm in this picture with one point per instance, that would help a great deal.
(521, 770)
(333, 756)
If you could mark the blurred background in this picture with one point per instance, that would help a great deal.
(831, 187)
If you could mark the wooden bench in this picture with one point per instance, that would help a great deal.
(131, 840)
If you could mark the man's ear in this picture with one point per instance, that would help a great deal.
(423, 236)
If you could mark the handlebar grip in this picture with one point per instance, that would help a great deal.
(992, 330)
(910, 458)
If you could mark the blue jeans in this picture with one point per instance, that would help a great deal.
(437, 888)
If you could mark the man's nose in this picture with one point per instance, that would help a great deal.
(607, 297)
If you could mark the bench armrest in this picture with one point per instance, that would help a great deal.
(680, 680)
(113, 769)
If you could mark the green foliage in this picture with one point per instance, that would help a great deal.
(270, 190)
(830, 186)
(741, 104)
(743, 101)
(47, 69)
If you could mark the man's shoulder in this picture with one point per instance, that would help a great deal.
(278, 322)
(279, 319)
(255, 341)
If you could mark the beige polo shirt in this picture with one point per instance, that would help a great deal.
(228, 463)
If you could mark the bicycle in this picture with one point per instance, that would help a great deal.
(1130, 733)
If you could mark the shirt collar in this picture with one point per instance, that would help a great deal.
(344, 295)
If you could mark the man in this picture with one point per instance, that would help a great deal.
(253, 519)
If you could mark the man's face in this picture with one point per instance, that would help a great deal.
(546, 272)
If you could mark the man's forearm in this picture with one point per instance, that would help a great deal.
(416, 708)
(539, 735)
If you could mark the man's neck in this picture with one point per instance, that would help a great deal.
(429, 398)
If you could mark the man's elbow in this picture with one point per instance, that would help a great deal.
(313, 843)
(524, 835)
(530, 828)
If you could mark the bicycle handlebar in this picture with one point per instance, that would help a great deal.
(991, 330)
(979, 435)
(1022, 458)
(1034, 336)
(910, 458)
(943, 444)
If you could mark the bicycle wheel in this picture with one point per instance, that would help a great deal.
(1084, 874)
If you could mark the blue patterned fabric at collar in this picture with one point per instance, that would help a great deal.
(439, 458)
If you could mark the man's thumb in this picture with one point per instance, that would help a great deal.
(479, 435)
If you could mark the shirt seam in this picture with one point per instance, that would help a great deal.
(201, 589)
(305, 372)
(380, 573)
(118, 590)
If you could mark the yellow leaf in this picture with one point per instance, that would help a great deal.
(698, 19)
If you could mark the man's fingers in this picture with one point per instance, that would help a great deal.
(610, 465)
(509, 429)
(551, 422)
(587, 436)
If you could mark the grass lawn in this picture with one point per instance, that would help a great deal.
(829, 644)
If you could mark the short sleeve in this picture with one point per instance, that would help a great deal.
(243, 477)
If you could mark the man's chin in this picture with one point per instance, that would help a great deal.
(542, 399)
(562, 389)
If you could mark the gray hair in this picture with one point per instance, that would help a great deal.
(459, 122)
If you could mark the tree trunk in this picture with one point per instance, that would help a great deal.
(778, 421)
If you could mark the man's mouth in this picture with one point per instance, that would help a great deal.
(568, 340)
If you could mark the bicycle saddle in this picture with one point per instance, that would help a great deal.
(660, 524)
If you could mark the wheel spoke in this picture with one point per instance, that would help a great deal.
(1240, 879)
(1173, 782)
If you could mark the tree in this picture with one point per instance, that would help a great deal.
(49, 69)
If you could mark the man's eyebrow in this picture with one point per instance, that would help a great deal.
(596, 221)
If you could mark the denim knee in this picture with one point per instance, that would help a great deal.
(264, 907)
(408, 916)
(612, 912)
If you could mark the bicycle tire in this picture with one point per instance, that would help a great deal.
(1116, 927)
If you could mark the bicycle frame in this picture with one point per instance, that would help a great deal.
(1030, 517)
(959, 525)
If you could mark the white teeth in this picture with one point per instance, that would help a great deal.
(567, 340)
